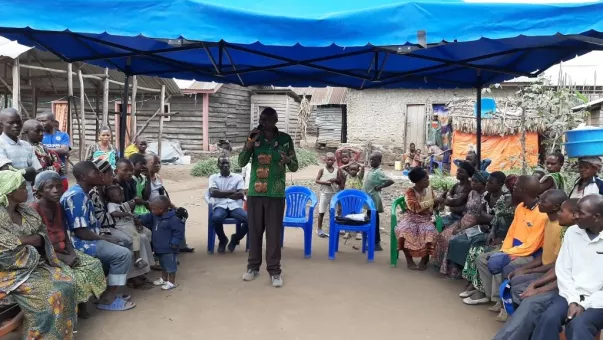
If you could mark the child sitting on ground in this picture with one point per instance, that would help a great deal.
(168, 233)
(125, 220)
(329, 183)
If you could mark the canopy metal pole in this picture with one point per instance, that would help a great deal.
(479, 123)
(123, 121)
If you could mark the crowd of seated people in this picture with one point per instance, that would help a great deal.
(60, 246)
(538, 235)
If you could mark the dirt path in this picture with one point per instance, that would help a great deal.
(343, 299)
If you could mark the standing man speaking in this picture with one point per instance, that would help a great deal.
(270, 152)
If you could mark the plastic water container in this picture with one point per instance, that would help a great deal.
(185, 160)
(397, 165)
(586, 134)
(405, 172)
(584, 142)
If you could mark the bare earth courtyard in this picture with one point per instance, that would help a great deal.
(343, 299)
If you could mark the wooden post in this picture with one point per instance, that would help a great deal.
(69, 98)
(16, 85)
(82, 115)
(106, 98)
(133, 114)
(206, 122)
(97, 101)
(162, 108)
(34, 99)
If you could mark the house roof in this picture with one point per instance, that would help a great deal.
(277, 90)
(57, 82)
(589, 105)
(200, 87)
(320, 95)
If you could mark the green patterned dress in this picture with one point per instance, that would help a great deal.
(504, 211)
(37, 282)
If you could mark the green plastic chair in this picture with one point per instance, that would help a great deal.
(394, 253)
(393, 256)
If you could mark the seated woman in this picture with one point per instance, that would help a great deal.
(456, 198)
(87, 271)
(31, 272)
(103, 149)
(416, 232)
(588, 183)
(504, 211)
(471, 219)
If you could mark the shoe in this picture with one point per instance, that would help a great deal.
(158, 282)
(467, 293)
(222, 246)
(358, 236)
(321, 233)
(187, 250)
(250, 275)
(168, 286)
(469, 301)
(277, 281)
(378, 247)
(496, 308)
(346, 236)
(502, 316)
(233, 243)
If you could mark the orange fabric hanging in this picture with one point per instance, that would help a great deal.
(504, 151)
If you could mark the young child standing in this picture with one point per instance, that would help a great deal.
(374, 182)
(328, 180)
(353, 180)
(125, 220)
(143, 185)
(168, 233)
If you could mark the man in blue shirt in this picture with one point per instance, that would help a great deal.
(54, 139)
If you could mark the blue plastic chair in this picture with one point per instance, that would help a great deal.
(297, 216)
(353, 202)
(211, 232)
(444, 165)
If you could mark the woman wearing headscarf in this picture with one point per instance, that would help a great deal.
(469, 225)
(416, 232)
(87, 271)
(503, 211)
(456, 198)
(103, 149)
(30, 272)
(589, 181)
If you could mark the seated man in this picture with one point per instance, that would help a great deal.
(539, 293)
(521, 278)
(85, 235)
(226, 191)
(524, 239)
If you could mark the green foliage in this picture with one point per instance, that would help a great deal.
(209, 166)
(440, 182)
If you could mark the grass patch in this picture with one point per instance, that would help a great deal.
(209, 166)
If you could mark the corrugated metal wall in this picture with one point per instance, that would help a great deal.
(328, 123)
(286, 107)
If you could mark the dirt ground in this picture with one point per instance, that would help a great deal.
(347, 298)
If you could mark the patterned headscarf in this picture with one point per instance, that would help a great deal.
(481, 176)
(467, 167)
(9, 182)
(43, 177)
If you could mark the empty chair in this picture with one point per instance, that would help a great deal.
(394, 247)
(299, 215)
(353, 202)
(211, 233)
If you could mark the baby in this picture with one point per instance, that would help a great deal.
(126, 221)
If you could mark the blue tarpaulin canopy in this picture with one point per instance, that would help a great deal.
(356, 44)
(341, 43)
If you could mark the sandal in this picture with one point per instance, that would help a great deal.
(140, 263)
(118, 305)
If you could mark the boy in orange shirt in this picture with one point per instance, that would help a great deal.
(523, 241)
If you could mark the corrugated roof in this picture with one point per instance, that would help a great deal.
(594, 103)
(320, 95)
(202, 87)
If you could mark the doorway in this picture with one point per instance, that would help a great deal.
(415, 126)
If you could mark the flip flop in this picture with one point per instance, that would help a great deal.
(126, 297)
(118, 305)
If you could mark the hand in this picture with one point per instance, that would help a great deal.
(236, 196)
(284, 159)
(139, 201)
(530, 291)
(574, 311)
(112, 239)
(333, 180)
(438, 200)
(253, 136)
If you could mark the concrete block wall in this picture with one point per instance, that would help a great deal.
(379, 115)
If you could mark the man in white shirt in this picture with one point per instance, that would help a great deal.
(226, 191)
(579, 304)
